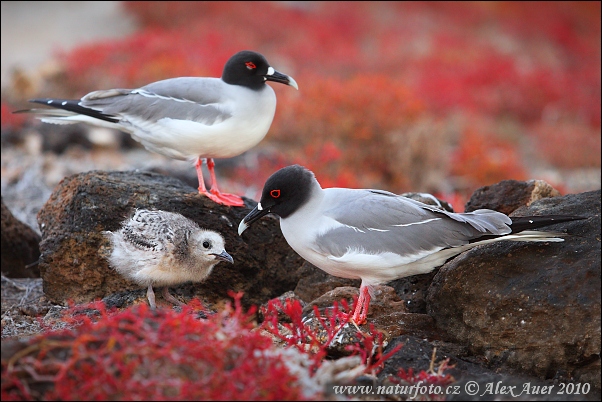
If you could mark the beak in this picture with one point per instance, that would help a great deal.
(251, 217)
(275, 76)
(223, 256)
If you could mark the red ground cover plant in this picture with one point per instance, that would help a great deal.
(296, 332)
(563, 143)
(9, 119)
(140, 354)
(370, 73)
(307, 339)
(431, 383)
(496, 159)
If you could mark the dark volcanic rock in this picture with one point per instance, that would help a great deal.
(430, 199)
(20, 247)
(508, 195)
(73, 262)
(313, 282)
(467, 378)
(530, 307)
(413, 290)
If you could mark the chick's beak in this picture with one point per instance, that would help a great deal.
(224, 256)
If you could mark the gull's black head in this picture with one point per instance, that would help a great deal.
(283, 193)
(250, 69)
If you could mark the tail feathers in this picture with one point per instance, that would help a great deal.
(522, 229)
(47, 112)
(59, 120)
(526, 235)
(53, 116)
(66, 108)
(535, 235)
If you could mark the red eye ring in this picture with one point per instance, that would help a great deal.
(250, 65)
(275, 193)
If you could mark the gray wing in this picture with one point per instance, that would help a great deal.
(157, 231)
(378, 221)
(185, 98)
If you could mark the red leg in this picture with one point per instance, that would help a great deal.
(214, 193)
(227, 199)
(363, 303)
(199, 172)
(363, 317)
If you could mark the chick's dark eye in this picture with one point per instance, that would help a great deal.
(206, 244)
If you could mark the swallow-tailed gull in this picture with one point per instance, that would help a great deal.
(378, 236)
(159, 248)
(186, 118)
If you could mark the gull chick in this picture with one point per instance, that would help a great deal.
(378, 236)
(186, 118)
(159, 248)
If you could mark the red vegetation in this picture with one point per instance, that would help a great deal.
(432, 381)
(566, 143)
(140, 354)
(299, 334)
(390, 93)
(9, 119)
(481, 158)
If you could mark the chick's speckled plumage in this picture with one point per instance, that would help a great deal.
(159, 248)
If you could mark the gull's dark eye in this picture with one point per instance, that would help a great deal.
(275, 193)
(206, 244)
(250, 65)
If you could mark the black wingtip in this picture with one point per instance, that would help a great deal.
(72, 105)
(520, 223)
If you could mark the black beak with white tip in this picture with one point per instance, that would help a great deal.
(251, 217)
(224, 256)
(276, 76)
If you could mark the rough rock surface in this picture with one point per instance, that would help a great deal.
(430, 199)
(313, 282)
(468, 374)
(413, 290)
(508, 195)
(73, 263)
(20, 247)
(530, 307)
